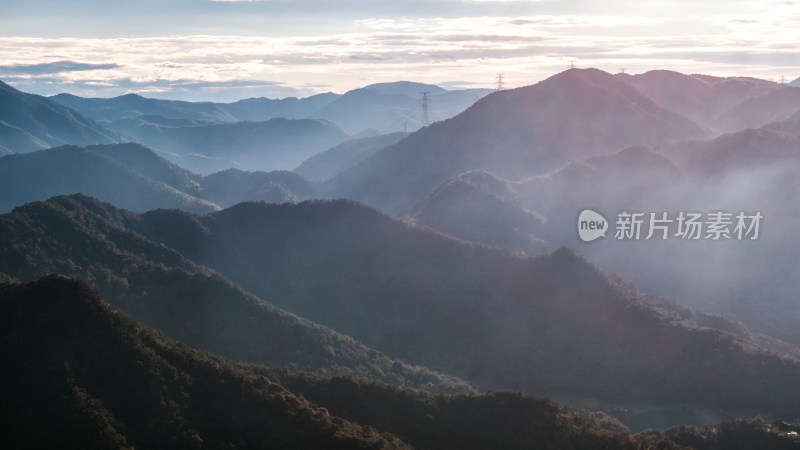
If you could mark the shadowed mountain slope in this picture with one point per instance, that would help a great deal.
(276, 144)
(128, 175)
(31, 122)
(756, 112)
(325, 165)
(82, 237)
(550, 325)
(702, 98)
(79, 374)
(478, 207)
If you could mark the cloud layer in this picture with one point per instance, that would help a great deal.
(342, 53)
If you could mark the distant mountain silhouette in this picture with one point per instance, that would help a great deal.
(261, 109)
(328, 163)
(749, 148)
(391, 107)
(277, 144)
(408, 88)
(133, 105)
(82, 237)
(128, 175)
(442, 103)
(30, 122)
(133, 177)
(756, 112)
(370, 108)
(251, 109)
(228, 187)
(553, 325)
(791, 125)
(701, 98)
(385, 107)
(515, 134)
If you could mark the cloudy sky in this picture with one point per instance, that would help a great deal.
(225, 50)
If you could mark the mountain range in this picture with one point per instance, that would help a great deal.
(207, 147)
(96, 378)
(385, 107)
(515, 134)
(750, 171)
(82, 237)
(443, 262)
(134, 177)
(425, 178)
(533, 214)
(264, 134)
(494, 319)
(248, 110)
(713, 102)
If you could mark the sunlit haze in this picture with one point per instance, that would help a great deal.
(227, 49)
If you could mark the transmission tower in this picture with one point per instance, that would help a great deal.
(424, 119)
(621, 70)
(499, 79)
(571, 63)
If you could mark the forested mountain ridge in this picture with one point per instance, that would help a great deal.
(441, 303)
(133, 177)
(79, 373)
(82, 237)
(127, 175)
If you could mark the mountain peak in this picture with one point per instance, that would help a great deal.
(592, 76)
(517, 134)
(409, 88)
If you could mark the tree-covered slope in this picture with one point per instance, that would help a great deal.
(82, 237)
(554, 324)
(77, 373)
